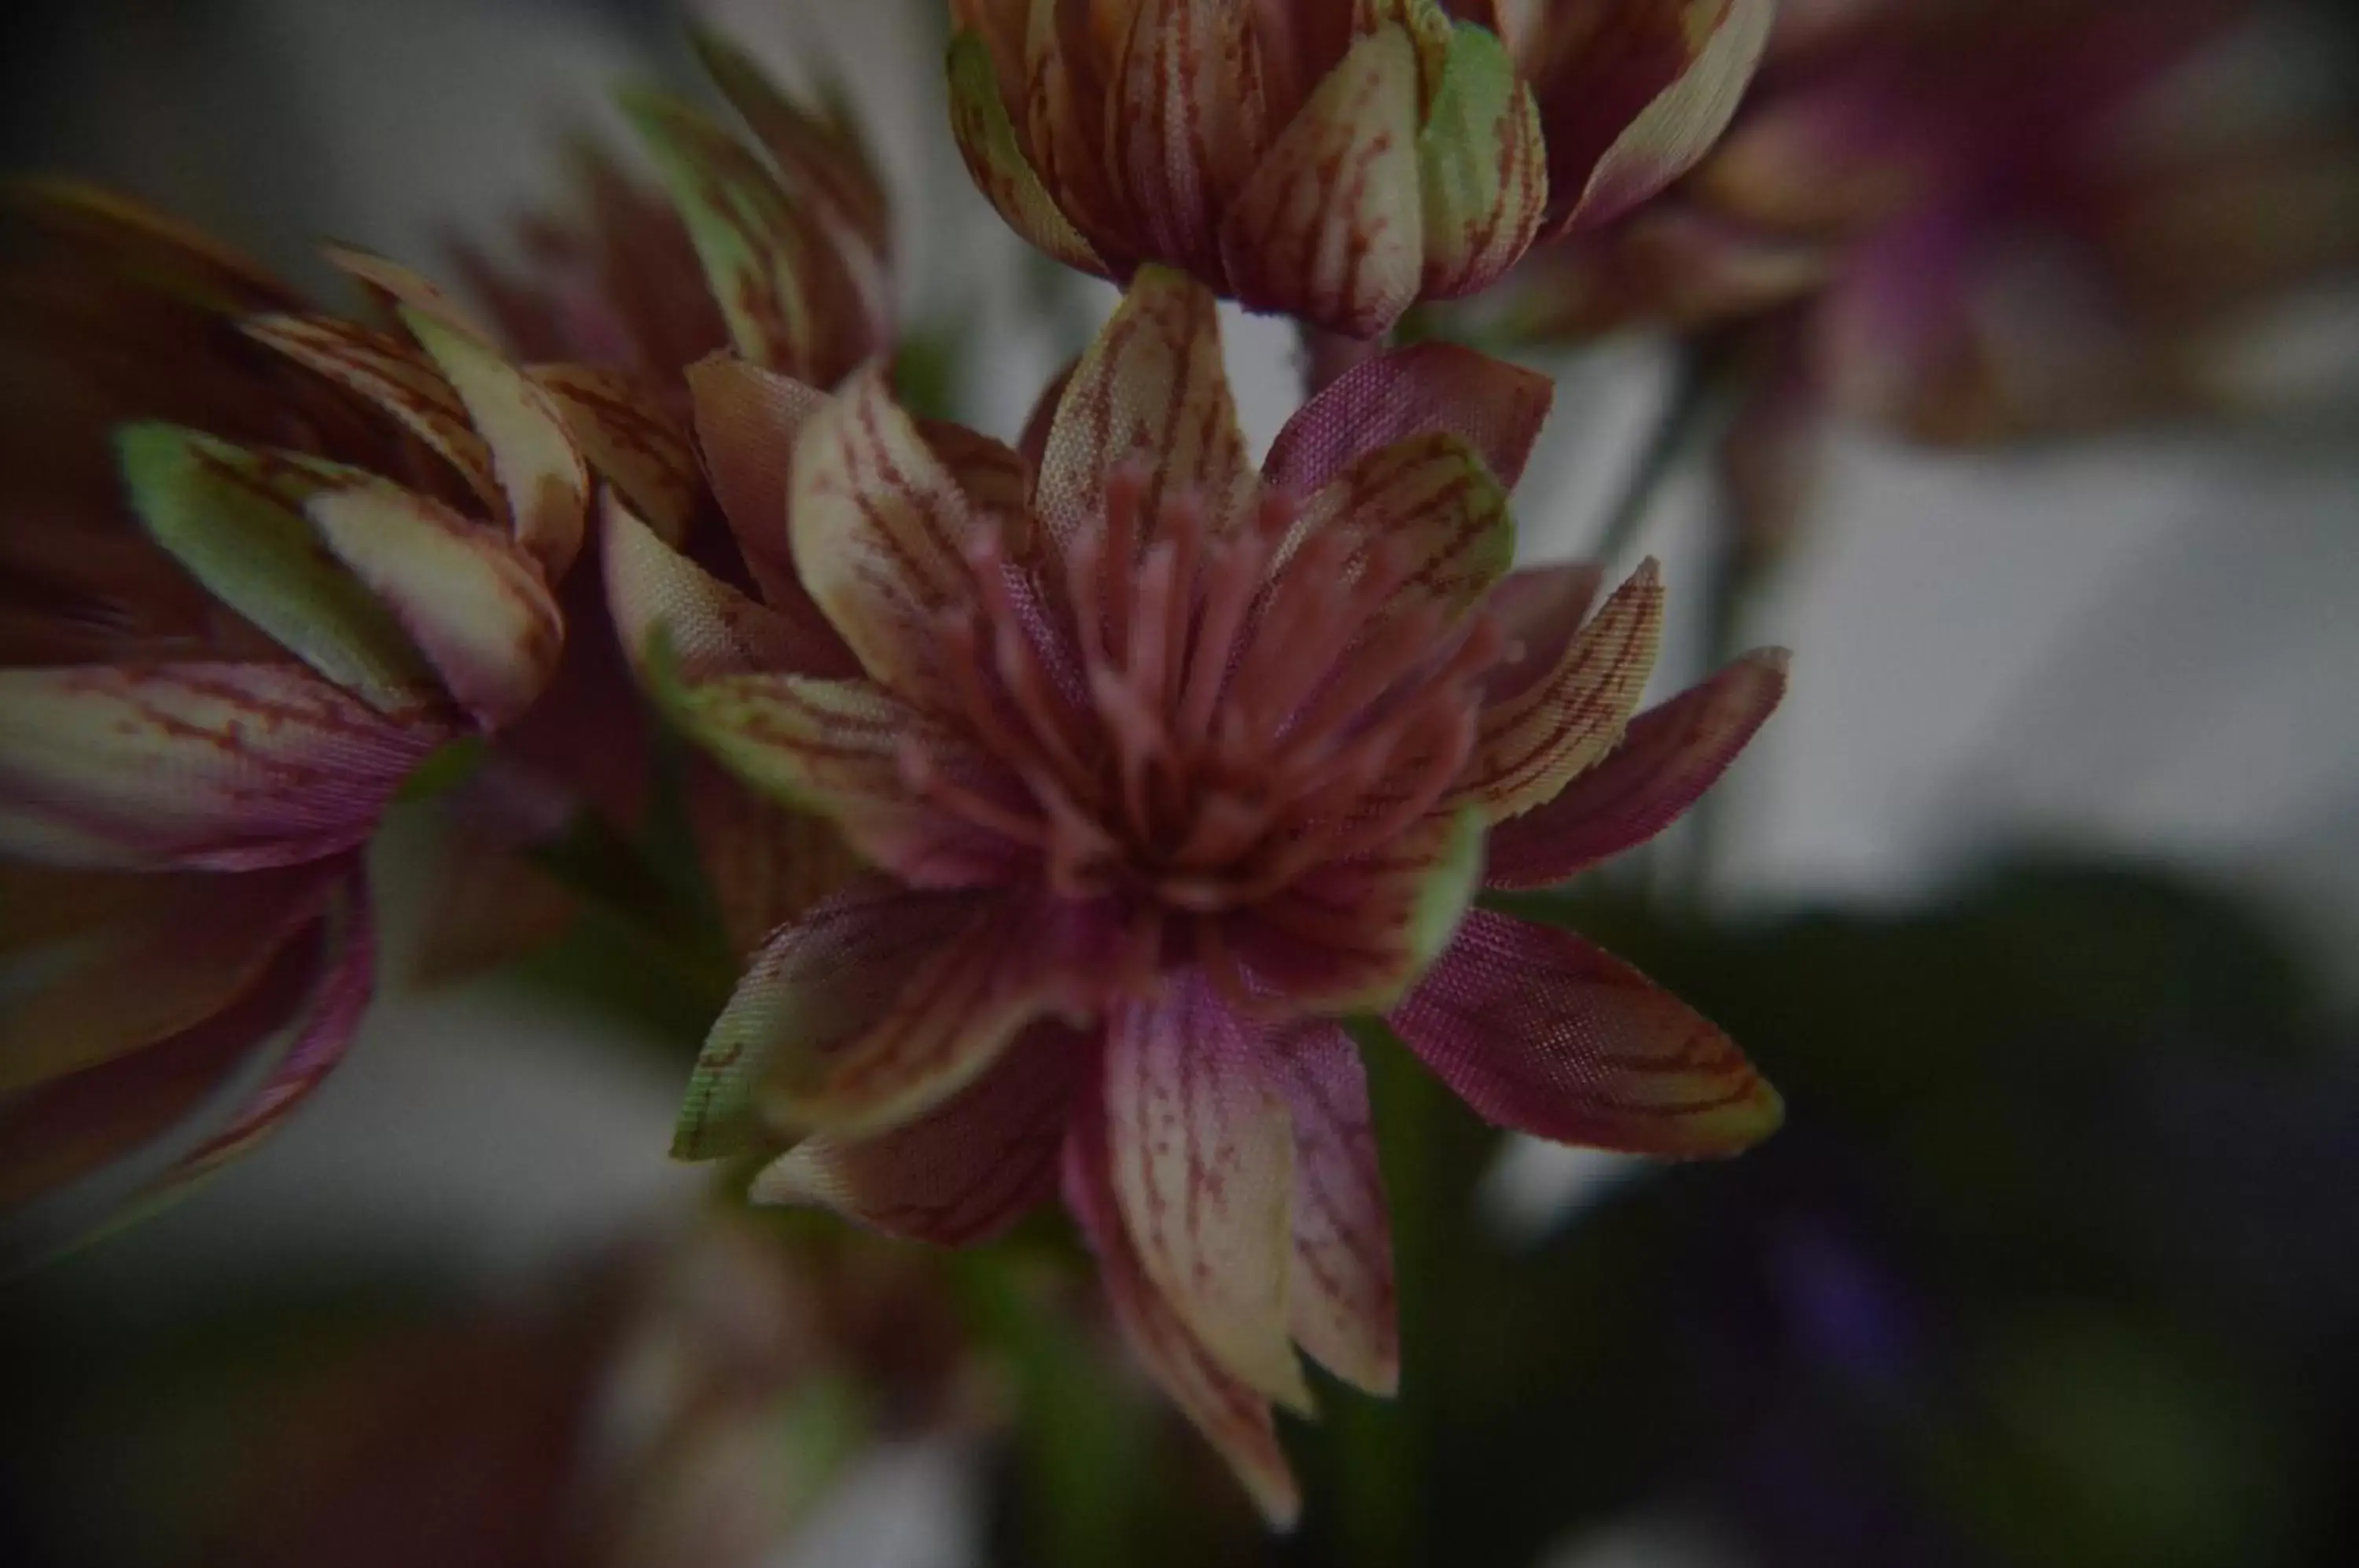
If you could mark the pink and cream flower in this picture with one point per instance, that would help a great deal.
(1164, 765)
(335, 559)
(1335, 160)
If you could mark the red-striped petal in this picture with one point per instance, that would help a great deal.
(1340, 1297)
(1541, 1032)
(1186, 127)
(659, 597)
(632, 439)
(967, 1170)
(1670, 757)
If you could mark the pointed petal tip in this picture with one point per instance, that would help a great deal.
(1779, 659)
(794, 1180)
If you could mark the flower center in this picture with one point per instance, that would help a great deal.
(1199, 715)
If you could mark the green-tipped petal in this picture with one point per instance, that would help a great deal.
(1482, 168)
(986, 138)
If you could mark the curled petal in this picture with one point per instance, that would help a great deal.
(880, 527)
(1541, 609)
(1702, 54)
(168, 953)
(1328, 228)
(965, 1170)
(1495, 406)
(1150, 391)
(630, 437)
(1670, 757)
(1534, 741)
(1541, 1032)
(987, 139)
(1202, 1154)
(1482, 165)
(659, 597)
(226, 766)
(541, 474)
(1340, 1297)
(1187, 123)
(879, 1005)
(231, 516)
(474, 603)
(1352, 935)
(1230, 1414)
(837, 747)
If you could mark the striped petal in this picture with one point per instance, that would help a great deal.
(1540, 610)
(542, 477)
(661, 599)
(1428, 500)
(765, 863)
(1533, 742)
(1495, 406)
(633, 440)
(1328, 228)
(230, 515)
(1340, 1297)
(1541, 1032)
(1670, 757)
(962, 1173)
(1703, 54)
(880, 528)
(1482, 166)
(473, 602)
(168, 953)
(1203, 1160)
(986, 140)
(1186, 126)
(1231, 1415)
(836, 748)
(392, 376)
(223, 767)
(882, 1003)
(1151, 393)
(1352, 935)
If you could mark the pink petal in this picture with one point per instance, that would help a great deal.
(226, 766)
(1669, 757)
(1495, 406)
(880, 529)
(1340, 1296)
(1149, 392)
(1185, 125)
(1540, 610)
(962, 1173)
(1541, 1032)
(1328, 228)
(765, 863)
(1233, 1418)
(1202, 1163)
(1536, 740)
(1429, 498)
(330, 1019)
(880, 1003)
(630, 436)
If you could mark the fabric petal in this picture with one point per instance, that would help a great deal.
(1232, 1416)
(986, 140)
(1678, 124)
(631, 437)
(168, 953)
(230, 515)
(962, 1173)
(765, 863)
(1202, 1156)
(1340, 1296)
(223, 767)
(475, 605)
(1669, 757)
(660, 598)
(1482, 166)
(880, 529)
(1428, 500)
(1328, 228)
(880, 1003)
(1540, 610)
(1541, 1032)
(1495, 406)
(836, 748)
(1186, 126)
(1352, 935)
(1535, 741)
(1149, 392)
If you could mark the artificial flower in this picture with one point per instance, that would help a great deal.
(1163, 766)
(1336, 162)
(310, 553)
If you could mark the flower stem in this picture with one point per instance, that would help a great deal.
(1692, 411)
